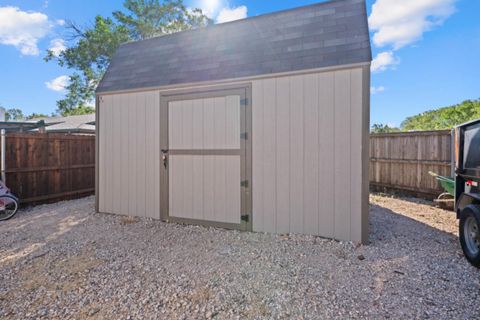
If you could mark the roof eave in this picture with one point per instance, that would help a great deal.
(240, 79)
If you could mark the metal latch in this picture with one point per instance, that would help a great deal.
(244, 183)
(245, 217)
(244, 135)
(165, 158)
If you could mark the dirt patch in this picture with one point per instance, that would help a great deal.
(125, 220)
(66, 274)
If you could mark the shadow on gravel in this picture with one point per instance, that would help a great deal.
(27, 234)
(404, 235)
(33, 229)
(387, 225)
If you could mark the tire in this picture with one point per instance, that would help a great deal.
(470, 234)
(8, 207)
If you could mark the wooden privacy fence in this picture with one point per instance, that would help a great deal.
(44, 167)
(401, 161)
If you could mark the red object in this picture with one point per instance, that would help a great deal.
(3, 188)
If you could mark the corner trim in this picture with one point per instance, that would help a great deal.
(365, 154)
(97, 155)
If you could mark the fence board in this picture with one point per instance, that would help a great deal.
(401, 161)
(45, 167)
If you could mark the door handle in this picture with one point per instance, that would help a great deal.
(165, 158)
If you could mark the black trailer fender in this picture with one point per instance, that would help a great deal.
(467, 199)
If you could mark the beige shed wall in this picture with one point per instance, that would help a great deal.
(310, 153)
(129, 154)
(308, 157)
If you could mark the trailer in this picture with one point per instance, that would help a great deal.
(467, 192)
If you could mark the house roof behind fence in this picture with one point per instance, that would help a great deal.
(321, 35)
(79, 123)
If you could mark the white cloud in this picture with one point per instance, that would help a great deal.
(220, 11)
(383, 61)
(210, 7)
(400, 23)
(58, 84)
(23, 29)
(231, 14)
(375, 90)
(57, 46)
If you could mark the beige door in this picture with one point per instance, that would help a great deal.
(204, 159)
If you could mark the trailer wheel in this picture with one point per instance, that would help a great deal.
(470, 234)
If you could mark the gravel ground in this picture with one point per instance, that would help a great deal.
(64, 261)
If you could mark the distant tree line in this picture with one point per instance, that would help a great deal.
(439, 119)
(16, 114)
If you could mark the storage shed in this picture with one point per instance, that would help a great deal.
(259, 124)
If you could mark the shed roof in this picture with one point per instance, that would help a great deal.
(320, 35)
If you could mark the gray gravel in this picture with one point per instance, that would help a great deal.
(64, 261)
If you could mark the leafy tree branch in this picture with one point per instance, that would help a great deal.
(92, 48)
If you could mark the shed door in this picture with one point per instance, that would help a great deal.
(204, 163)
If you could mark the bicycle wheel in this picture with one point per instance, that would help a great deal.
(8, 206)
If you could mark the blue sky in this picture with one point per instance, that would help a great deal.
(428, 51)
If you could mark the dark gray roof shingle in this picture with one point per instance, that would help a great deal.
(320, 35)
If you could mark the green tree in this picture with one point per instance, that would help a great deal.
(36, 116)
(89, 56)
(14, 114)
(151, 18)
(383, 128)
(443, 118)
(91, 49)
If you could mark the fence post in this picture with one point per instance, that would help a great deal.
(2, 160)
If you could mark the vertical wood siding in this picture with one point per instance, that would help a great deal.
(205, 187)
(129, 151)
(309, 144)
(211, 123)
(308, 148)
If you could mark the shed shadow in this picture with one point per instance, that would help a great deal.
(399, 234)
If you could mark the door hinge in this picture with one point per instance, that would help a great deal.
(245, 217)
(244, 102)
(244, 183)
(244, 135)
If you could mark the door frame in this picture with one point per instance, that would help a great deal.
(245, 93)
